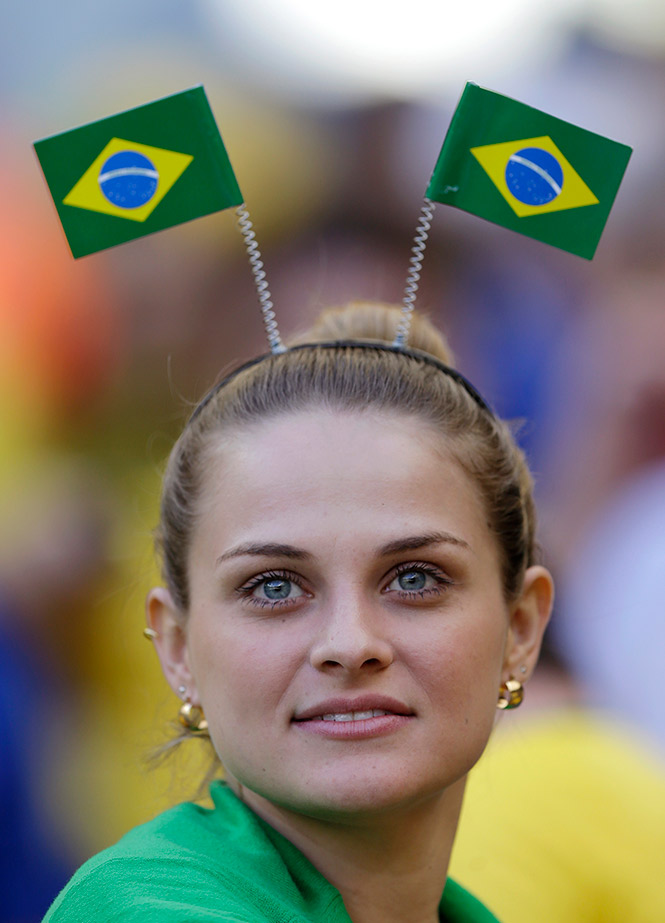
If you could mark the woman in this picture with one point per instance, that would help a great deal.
(351, 589)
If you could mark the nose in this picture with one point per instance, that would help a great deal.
(353, 638)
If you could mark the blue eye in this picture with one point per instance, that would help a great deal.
(277, 588)
(271, 589)
(412, 580)
(418, 580)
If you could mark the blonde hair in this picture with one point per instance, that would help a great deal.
(352, 379)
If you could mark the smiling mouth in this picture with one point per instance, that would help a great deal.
(356, 708)
(356, 724)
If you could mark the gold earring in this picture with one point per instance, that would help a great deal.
(150, 634)
(192, 718)
(511, 694)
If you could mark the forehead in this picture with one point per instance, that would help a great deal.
(325, 474)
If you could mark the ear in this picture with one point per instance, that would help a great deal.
(530, 614)
(169, 623)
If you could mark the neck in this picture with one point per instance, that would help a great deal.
(388, 868)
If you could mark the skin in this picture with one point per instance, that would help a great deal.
(390, 597)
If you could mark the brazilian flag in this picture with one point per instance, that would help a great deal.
(138, 172)
(528, 171)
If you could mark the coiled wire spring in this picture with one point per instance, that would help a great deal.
(256, 265)
(413, 277)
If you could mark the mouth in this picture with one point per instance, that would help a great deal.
(346, 710)
(355, 715)
(342, 721)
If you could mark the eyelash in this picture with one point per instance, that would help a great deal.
(247, 589)
(442, 581)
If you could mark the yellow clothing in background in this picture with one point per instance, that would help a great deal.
(564, 822)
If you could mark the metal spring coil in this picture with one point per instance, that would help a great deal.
(256, 265)
(415, 264)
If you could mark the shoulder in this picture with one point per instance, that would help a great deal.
(199, 864)
(174, 867)
(122, 888)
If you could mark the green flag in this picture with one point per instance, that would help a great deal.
(138, 172)
(528, 171)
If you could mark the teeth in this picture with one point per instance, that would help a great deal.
(355, 715)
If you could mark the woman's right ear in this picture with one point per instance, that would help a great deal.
(169, 636)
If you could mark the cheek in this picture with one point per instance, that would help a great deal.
(463, 668)
(244, 691)
(238, 678)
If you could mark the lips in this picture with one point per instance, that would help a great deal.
(361, 708)
(356, 715)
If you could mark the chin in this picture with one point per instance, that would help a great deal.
(342, 797)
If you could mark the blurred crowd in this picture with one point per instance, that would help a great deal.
(101, 359)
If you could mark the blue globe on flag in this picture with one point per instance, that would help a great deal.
(534, 176)
(128, 179)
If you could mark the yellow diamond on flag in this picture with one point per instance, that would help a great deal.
(128, 179)
(533, 176)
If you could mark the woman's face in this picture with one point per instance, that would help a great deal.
(347, 631)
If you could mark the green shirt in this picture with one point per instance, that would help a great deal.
(194, 864)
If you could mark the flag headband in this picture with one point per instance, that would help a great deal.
(265, 298)
(377, 346)
(163, 163)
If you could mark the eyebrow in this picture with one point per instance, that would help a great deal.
(265, 550)
(280, 550)
(414, 542)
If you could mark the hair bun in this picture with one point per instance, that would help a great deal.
(368, 320)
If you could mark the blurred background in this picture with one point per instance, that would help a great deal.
(333, 115)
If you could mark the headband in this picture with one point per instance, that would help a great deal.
(500, 160)
(376, 346)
